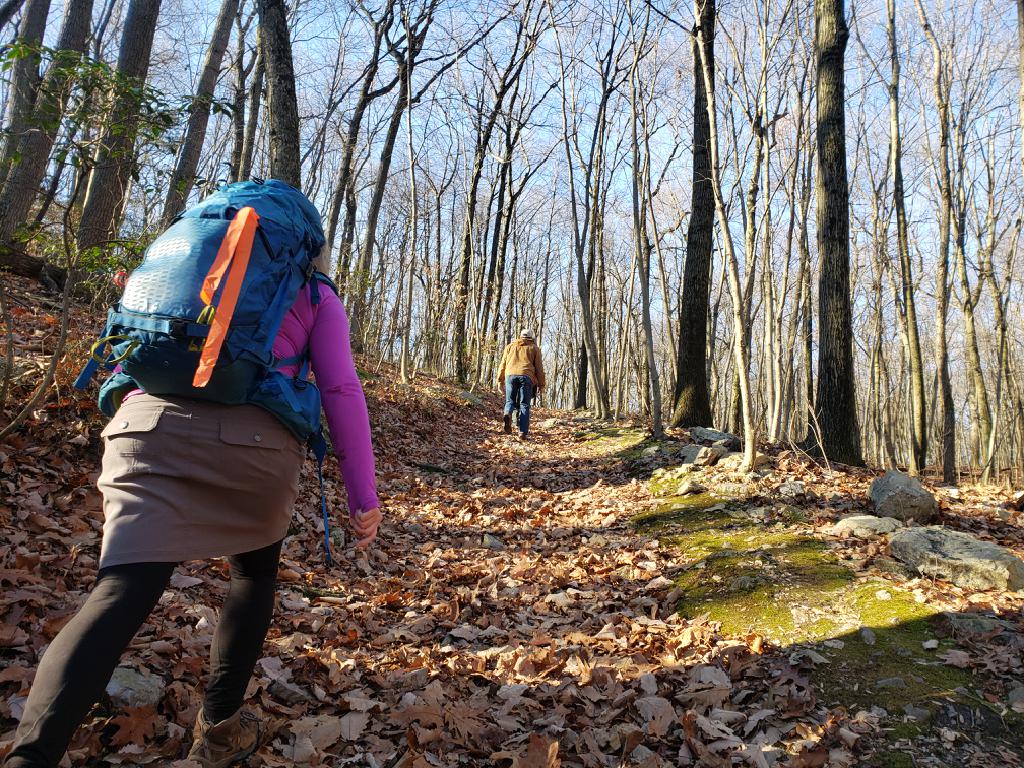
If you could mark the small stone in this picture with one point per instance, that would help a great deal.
(891, 682)
(883, 594)
(930, 645)
(130, 688)
(1016, 699)
(650, 450)
(837, 644)
(742, 583)
(792, 489)
(470, 397)
(967, 624)
(690, 487)
(597, 540)
(493, 542)
(866, 526)
(917, 713)
(708, 455)
(899, 495)
(867, 636)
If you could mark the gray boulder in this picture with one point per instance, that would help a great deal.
(866, 526)
(898, 495)
(130, 688)
(713, 436)
(958, 557)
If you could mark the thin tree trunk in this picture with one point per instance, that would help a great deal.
(184, 175)
(282, 104)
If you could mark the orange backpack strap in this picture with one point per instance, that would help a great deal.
(233, 255)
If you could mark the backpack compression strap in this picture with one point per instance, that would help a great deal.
(233, 254)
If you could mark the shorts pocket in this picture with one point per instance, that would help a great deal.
(124, 433)
(254, 436)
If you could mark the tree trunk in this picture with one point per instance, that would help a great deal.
(25, 78)
(22, 184)
(692, 400)
(282, 104)
(115, 157)
(836, 404)
(918, 416)
(948, 430)
(252, 114)
(180, 185)
(8, 9)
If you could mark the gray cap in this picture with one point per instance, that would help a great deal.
(526, 333)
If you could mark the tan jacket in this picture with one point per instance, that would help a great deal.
(522, 358)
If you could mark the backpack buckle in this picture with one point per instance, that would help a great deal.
(178, 329)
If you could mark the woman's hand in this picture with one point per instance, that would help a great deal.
(365, 522)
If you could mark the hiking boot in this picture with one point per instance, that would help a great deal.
(522, 437)
(508, 423)
(219, 745)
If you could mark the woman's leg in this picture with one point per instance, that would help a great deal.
(77, 665)
(244, 621)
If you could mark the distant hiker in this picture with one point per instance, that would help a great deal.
(521, 373)
(190, 478)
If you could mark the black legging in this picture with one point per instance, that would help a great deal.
(79, 662)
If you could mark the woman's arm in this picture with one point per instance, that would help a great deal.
(347, 418)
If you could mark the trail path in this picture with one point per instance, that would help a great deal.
(521, 610)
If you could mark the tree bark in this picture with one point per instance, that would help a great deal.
(184, 175)
(8, 9)
(23, 181)
(282, 103)
(836, 404)
(25, 78)
(692, 400)
(918, 415)
(115, 157)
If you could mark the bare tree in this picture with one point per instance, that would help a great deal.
(282, 105)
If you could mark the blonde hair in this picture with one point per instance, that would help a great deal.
(322, 261)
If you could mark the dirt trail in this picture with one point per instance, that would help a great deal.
(520, 610)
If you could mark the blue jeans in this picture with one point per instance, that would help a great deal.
(518, 396)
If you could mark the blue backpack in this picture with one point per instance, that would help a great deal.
(199, 316)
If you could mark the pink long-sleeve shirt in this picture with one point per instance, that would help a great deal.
(324, 328)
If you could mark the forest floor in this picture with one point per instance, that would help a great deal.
(554, 602)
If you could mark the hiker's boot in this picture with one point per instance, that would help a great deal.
(219, 745)
(508, 423)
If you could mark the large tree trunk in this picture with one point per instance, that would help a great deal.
(692, 400)
(282, 105)
(1020, 73)
(22, 184)
(115, 157)
(836, 404)
(25, 80)
(184, 175)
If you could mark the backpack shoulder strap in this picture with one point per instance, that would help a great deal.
(314, 286)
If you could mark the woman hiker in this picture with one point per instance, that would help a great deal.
(521, 374)
(201, 480)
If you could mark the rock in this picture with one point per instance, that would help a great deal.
(866, 526)
(650, 450)
(548, 424)
(714, 435)
(901, 496)
(130, 688)
(690, 487)
(493, 542)
(1016, 698)
(469, 397)
(867, 636)
(1017, 502)
(743, 584)
(967, 624)
(958, 557)
(689, 453)
(733, 461)
(708, 455)
(734, 490)
(891, 682)
(792, 489)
